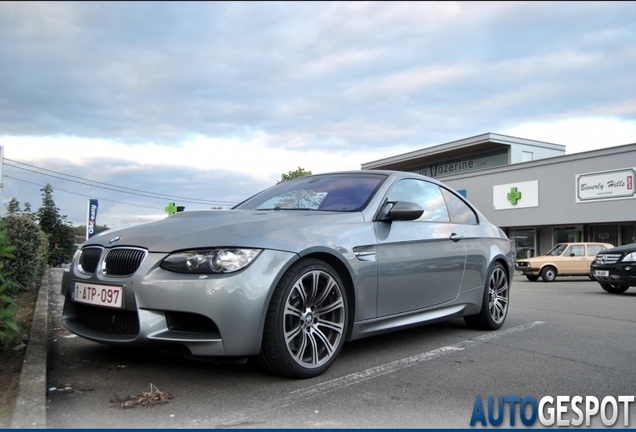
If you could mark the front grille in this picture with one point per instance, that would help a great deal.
(123, 261)
(607, 258)
(89, 259)
(108, 321)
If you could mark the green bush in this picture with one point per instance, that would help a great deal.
(8, 326)
(31, 249)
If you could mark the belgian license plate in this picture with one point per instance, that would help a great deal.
(100, 295)
(601, 273)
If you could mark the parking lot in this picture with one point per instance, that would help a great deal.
(568, 337)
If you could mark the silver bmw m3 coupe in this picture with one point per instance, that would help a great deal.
(290, 274)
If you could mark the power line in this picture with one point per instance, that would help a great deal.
(116, 188)
(86, 196)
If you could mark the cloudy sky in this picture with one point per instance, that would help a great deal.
(142, 103)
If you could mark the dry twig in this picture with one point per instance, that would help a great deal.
(145, 399)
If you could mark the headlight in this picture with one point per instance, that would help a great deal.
(202, 261)
(630, 257)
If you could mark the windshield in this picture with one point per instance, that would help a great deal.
(557, 250)
(331, 192)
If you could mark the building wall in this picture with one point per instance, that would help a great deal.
(557, 189)
(516, 152)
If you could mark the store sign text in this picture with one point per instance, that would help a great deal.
(605, 185)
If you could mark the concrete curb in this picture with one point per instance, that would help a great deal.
(30, 408)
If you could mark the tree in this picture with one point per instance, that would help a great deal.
(31, 248)
(300, 172)
(13, 208)
(8, 327)
(57, 228)
(298, 199)
(80, 230)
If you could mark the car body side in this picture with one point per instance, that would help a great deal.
(350, 242)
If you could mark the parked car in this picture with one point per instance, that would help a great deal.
(290, 274)
(615, 269)
(564, 259)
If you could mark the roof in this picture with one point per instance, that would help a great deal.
(478, 144)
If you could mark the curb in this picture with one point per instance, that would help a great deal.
(30, 408)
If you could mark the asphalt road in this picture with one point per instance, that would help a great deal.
(566, 338)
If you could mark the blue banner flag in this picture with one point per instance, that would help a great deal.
(91, 226)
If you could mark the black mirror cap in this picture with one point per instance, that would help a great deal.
(405, 211)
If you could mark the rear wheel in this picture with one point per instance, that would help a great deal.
(306, 322)
(548, 274)
(494, 308)
(532, 278)
(614, 289)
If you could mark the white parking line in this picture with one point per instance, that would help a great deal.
(302, 395)
(358, 377)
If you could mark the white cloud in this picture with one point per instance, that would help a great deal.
(579, 134)
(256, 157)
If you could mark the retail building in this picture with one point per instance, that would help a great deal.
(534, 191)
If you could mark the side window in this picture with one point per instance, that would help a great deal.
(576, 250)
(426, 194)
(459, 211)
(592, 250)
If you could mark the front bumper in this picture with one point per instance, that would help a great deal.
(618, 274)
(208, 315)
(526, 270)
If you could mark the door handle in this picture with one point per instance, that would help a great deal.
(456, 237)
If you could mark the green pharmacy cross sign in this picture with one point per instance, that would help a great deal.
(514, 196)
(171, 208)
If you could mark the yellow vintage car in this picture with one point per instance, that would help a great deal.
(564, 259)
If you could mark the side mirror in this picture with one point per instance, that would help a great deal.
(402, 211)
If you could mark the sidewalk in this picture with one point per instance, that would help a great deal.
(30, 408)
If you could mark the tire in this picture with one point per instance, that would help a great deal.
(494, 307)
(307, 321)
(614, 289)
(548, 274)
(532, 278)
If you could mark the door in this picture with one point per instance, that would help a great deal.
(420, 263)
(575, 261)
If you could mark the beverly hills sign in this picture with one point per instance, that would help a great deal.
(618, 184)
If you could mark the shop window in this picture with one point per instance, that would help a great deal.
(628, 234)
(566, 235)
(523, 242)
(604, 234)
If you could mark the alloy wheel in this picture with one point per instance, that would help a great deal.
(498, 290)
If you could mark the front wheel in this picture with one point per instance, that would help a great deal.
(532, 278)
(548, 274)
(614, 289)
(494, 308)
(307, 321)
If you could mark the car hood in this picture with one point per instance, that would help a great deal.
(200, 229)
(620, 249)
